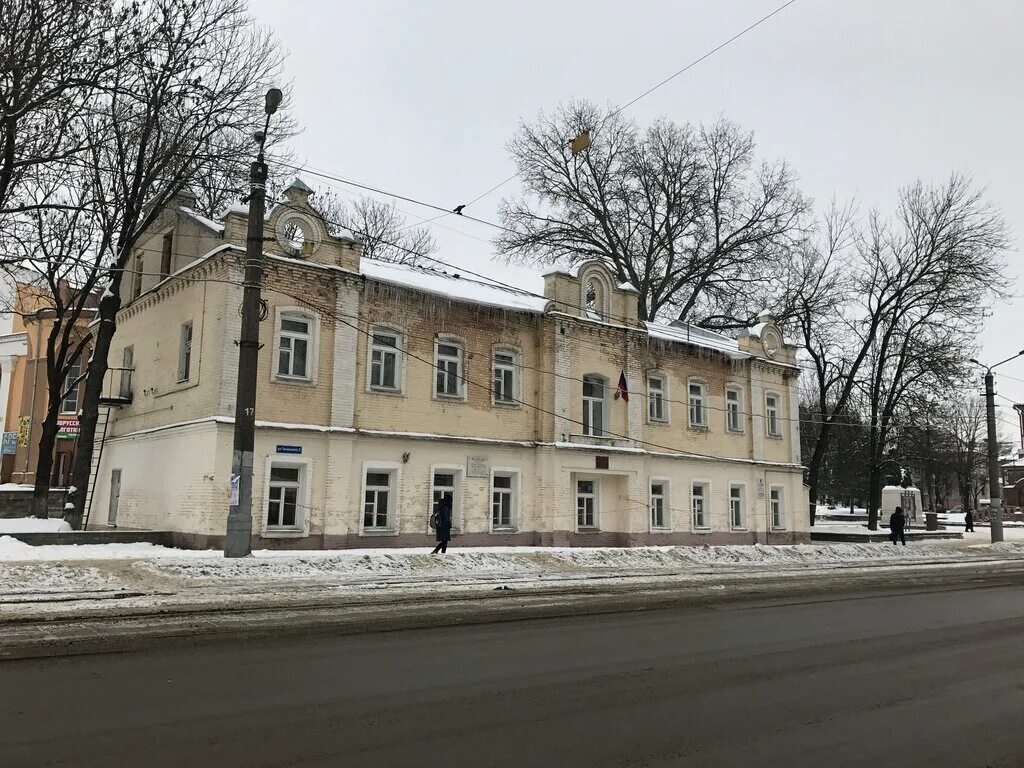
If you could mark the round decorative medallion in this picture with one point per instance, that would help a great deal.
(771, 342)
(296, 234)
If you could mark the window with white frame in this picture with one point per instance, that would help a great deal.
(448, 364)
(506, 374)
(504, 498)
(185, 352)
(657, 405)
(69, 403)
(385, 360)
(737, 508)
(443, 486)
(776, 505)
(734, 409)
(377, 499)
(586, 504)
(699, 499)
(771, 414)
(593, 405)
(283, 496)
(698, 404)
(295, 337)
(659, 504)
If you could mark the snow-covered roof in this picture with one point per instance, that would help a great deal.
(208, 223)
(453, 286)
(757, 330)
(300, 185)
(628, 286)
(237, 207)
(685, 333)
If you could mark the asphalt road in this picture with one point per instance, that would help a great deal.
(928, 679)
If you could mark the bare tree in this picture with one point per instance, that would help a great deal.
(170, 114)
(684, 213)
(916, 286)
(58, 244)
(54, 56)
(384, 230)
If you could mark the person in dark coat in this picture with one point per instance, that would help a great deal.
(969, 521)
(897, 526)
(443, 525)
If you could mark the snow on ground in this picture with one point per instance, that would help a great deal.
(33, 525)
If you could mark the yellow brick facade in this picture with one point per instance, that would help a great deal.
(368, 454)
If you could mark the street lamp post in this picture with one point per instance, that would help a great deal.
(995, 493)
(238, 539)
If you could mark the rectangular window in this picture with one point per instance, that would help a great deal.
(185, 352)
(771, 412)
(698, 415)
(593, 406)
(658, 495)
(137, 277)
(384, 360)
(69, 403)
(295, 335)
(505, 369)
(733, 410)
(443, 486)
(503, 500)
(777, 510)
(656, 410)
(377, 500)
(283, 500)
(737, 510)
(699, 501)
(586, 504)
(448, 381)
(127, 364)
(166, 253)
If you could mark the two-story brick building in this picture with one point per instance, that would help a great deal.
(383, 387)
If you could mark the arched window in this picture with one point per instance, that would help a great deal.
(595, 295)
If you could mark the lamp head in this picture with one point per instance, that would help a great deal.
(273, 100)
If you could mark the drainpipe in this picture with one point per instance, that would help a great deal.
(37, 316)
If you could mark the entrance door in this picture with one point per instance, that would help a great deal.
(115, 493)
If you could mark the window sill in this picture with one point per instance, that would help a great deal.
(180, 386)
(661, 530)
(283, 533)
(740, 530)
(376, 532)
(698, 427)
(589, 529)
(735, 431)
(302, 382)
(773, 437)
(504, 531)
(385, 392)
(702, 530)
(512, 406)
(779, 529)
(659, 422)
(438, 397)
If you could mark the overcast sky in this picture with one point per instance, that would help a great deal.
(860, 97)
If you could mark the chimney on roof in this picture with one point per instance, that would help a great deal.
(298, 192)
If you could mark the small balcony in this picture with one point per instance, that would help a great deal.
(117, 387)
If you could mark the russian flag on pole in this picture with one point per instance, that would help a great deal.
(623, 390)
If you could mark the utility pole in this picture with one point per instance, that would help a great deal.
(238, 541)
(995, 491)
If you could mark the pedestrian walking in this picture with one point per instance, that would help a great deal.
(897, 527)
(969, 521)
(443, 525)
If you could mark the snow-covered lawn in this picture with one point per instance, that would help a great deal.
(32, 525)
